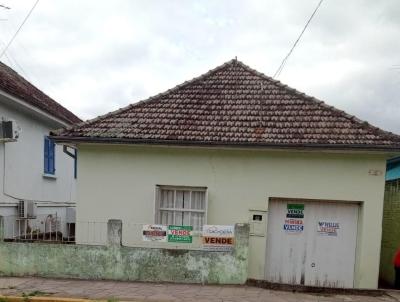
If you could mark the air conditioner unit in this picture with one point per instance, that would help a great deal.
(26, 209)
(9, 131)
(70, 216)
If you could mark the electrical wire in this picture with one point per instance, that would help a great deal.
(12, 61)
(19, 29)
(9, 27)
(280, 68)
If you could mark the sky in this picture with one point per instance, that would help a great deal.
(97, 56)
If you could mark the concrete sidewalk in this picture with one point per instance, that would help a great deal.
(164, 292)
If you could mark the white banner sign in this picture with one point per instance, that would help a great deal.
(155, 232)
(328, 228)
(218, 237)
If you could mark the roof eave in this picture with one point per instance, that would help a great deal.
(43, 114)
(125, 141)
(394, 160)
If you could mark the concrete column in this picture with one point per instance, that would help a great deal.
(242, 233)
(241, 251)
(114, 232)
(242, 236)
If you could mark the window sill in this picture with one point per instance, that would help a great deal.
(49, 176)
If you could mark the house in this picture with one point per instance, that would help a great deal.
(235, 145)
(391, 221)
(393, 169)
(37, 179)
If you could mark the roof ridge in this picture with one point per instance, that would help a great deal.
(149, 99)
(244, 115)
(361, 123)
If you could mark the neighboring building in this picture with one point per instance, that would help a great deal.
(391, 221)
(37, 178)
(234, 145)
(393, 169)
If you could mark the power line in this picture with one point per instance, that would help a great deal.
(13, 61)
(279, 70)
(9, 55)
(18, 30)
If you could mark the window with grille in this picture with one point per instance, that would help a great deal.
(181, 206)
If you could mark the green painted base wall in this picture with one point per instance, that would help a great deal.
(127, 263)
(390, 230)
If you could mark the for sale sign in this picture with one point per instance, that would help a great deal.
(295, 211)
(180, 233)
(154, 232)
(329, 228)
(218, 237)
(293, 225)
(294, 219)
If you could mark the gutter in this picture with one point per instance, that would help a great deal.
(124, 141)
(394, 160)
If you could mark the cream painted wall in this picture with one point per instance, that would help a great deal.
(118, 182)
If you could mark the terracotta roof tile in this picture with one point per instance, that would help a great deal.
(230, 105)
(11, 82)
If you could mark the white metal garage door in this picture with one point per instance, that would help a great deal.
(311, 243)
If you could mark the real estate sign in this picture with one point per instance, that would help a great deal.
(154, 232)
(294, 219)
(329, 228)
(218, 237)
(180, 233)
(295, 211)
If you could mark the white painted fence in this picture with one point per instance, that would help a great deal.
(46, 227)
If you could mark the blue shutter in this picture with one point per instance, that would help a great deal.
(52, 167)
(76, 163)
(49, 156)
(46, 155)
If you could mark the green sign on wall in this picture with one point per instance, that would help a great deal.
(180, 233)
(295, 210)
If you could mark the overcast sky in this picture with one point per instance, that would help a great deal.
(97, 56)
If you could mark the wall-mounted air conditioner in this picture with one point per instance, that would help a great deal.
(70, 216)
(26, 209)
(9, 131)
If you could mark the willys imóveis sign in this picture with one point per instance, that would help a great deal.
(180, 233)
(329, 228)
(218, 237)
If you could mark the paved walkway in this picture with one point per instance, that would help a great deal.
(136, 291)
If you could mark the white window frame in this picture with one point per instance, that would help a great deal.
(158, 209)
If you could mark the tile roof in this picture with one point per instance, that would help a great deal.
(11, 82)
(232, 105)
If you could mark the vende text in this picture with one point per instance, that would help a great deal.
(180, 232)
(218, 240)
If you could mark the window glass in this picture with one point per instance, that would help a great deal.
(182, 207)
